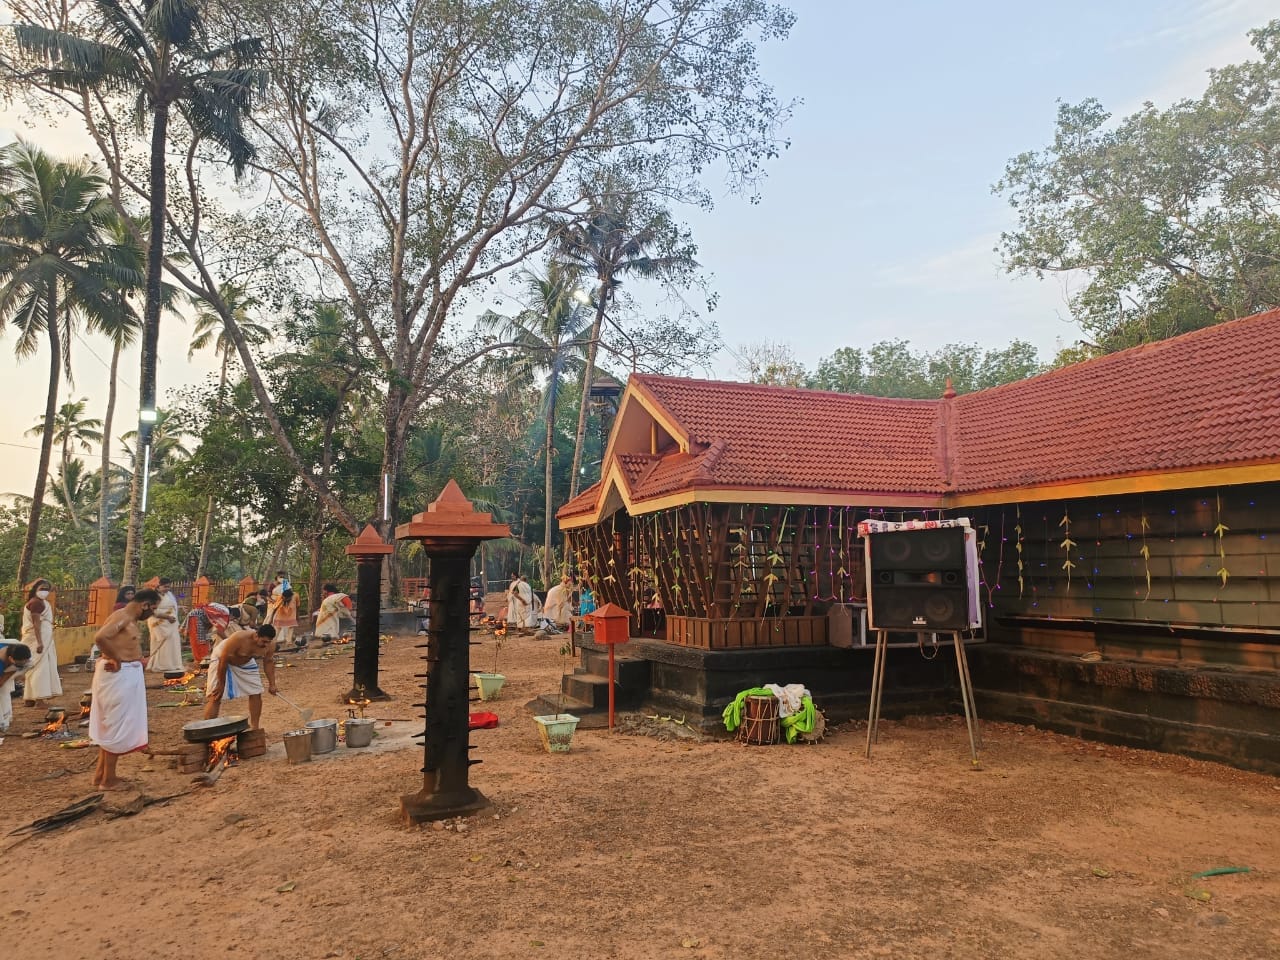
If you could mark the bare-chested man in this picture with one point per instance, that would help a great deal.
(233, 671)
(118, 713)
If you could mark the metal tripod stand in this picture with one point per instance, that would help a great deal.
(966, 693)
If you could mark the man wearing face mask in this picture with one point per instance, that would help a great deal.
(37, 633)
(118, 712)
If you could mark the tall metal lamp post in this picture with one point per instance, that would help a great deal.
(450, 531)
(368, 549)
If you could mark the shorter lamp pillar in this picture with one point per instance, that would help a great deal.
(368, 551)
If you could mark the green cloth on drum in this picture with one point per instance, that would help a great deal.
(800, 722)
(733, 712)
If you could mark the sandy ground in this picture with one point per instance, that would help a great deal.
(642, 844)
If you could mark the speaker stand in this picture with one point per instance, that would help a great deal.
(966, 693)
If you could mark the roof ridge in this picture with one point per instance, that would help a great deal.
(650, 378)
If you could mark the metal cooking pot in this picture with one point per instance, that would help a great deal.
(54, 714)
(206, 731)
(174, 674)
(324, 735)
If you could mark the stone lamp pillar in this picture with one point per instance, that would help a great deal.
(368, 550)
(450, 531)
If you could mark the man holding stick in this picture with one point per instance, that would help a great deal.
(234, 672)
(118, 712)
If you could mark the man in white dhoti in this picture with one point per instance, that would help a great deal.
(118, 712)
(559, 608)
(234, 671)
(334, 606)
(14, 659)
(166, 638)
(42, 680)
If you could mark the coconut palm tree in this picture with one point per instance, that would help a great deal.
(122, 330)
(57, 266)
(550, 338)
(76, 489)
(168, 445)
(160, 53)
(617, 238)
(210, 329)
(70, 428)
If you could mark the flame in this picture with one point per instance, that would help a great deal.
(56, 726)
(226, 747)
(182, 681)
(84, 713)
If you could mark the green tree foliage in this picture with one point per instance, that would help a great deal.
(1168, 215)
(891, 368)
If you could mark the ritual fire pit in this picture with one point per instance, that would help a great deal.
(55, 727)
(213, 742)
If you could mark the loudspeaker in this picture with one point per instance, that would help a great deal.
(918, 579)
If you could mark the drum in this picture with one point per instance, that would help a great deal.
(759, 721)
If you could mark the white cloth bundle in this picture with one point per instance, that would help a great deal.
(789, 697)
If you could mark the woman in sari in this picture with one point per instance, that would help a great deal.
(42, 681)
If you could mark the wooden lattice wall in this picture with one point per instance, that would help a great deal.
(727, 561)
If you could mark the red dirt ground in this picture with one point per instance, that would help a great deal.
(639, 846)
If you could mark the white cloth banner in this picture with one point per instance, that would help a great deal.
(885, 526)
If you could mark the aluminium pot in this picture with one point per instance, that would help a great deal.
(174, 674)
(218, 728)
(324, 735)
(359, 731)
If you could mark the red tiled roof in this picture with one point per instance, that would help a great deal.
(787, 438)
(1206, 399)
(584, 502)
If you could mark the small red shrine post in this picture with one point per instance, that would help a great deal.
(450, 530)
(612, 627)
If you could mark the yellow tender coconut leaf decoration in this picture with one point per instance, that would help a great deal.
(1220, 531)
(1066, 546)
(1018, 546)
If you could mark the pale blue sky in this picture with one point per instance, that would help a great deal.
(879, 221)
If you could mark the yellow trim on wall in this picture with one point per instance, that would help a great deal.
(1112, 486)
